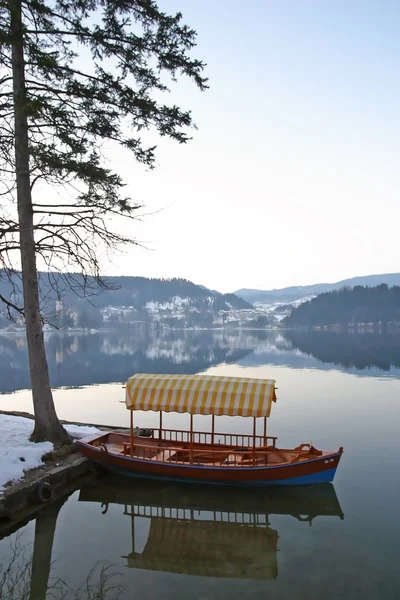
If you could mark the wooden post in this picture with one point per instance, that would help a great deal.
(160, 434)
(254, 439)
(212, 428)
(131, 432)
(191, 439)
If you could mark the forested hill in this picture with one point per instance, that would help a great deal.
(379, 304)
(173, 302)
(290, 294)
(138, 292)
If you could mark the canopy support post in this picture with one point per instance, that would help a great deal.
(265, 440)
(212, 428)
(160, 433)
(191, 439)
(254, 439)
(131, 433)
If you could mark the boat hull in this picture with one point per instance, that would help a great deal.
(311, 479)
(308, 472)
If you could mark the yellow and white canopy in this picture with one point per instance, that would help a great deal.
(201, 394)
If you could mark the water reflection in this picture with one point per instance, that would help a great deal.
(26, 574)
(79, 360)
(371, 354)
(187, 530)
(350, 350)
(205, 531)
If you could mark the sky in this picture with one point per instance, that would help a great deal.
(293, 175)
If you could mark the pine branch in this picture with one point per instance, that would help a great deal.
(135, 49)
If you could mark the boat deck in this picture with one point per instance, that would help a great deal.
(218, 455)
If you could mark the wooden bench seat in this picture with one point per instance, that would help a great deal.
(115, 448)
(233, 459)
(165, 455)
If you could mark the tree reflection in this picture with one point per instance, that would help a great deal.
(78, 359)
(26, 575)
(350, 350)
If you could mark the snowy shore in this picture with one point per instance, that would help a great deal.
(18, 454)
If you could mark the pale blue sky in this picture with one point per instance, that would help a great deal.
(293, 176)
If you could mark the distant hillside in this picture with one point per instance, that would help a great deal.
(290, 294)
(139, 292)
(349, 306)
(129, 299)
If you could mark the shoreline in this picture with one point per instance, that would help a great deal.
(39, 486)
(26, 415)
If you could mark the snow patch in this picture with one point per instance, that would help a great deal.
(80, 431)
(176, 302)
(279, 318)
(15, 445)
(297, 303)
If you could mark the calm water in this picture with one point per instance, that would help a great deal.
(169, 541)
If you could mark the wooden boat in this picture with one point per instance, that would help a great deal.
(207, 457)
(199, 530)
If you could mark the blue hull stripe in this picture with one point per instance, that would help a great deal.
(321, 477)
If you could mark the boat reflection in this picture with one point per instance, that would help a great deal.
(205, 531)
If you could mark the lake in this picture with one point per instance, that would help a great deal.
(162, 540)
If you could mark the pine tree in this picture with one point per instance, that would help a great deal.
(76, 73)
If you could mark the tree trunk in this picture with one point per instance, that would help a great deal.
(47, 425)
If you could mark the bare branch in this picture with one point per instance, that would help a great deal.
(11, 305)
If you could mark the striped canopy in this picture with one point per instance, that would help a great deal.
(201, 394)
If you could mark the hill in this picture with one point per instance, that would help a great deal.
(293, 293)
(129, 299)
(349, 306)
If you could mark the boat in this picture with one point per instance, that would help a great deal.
(201, 531)
(207, 456)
